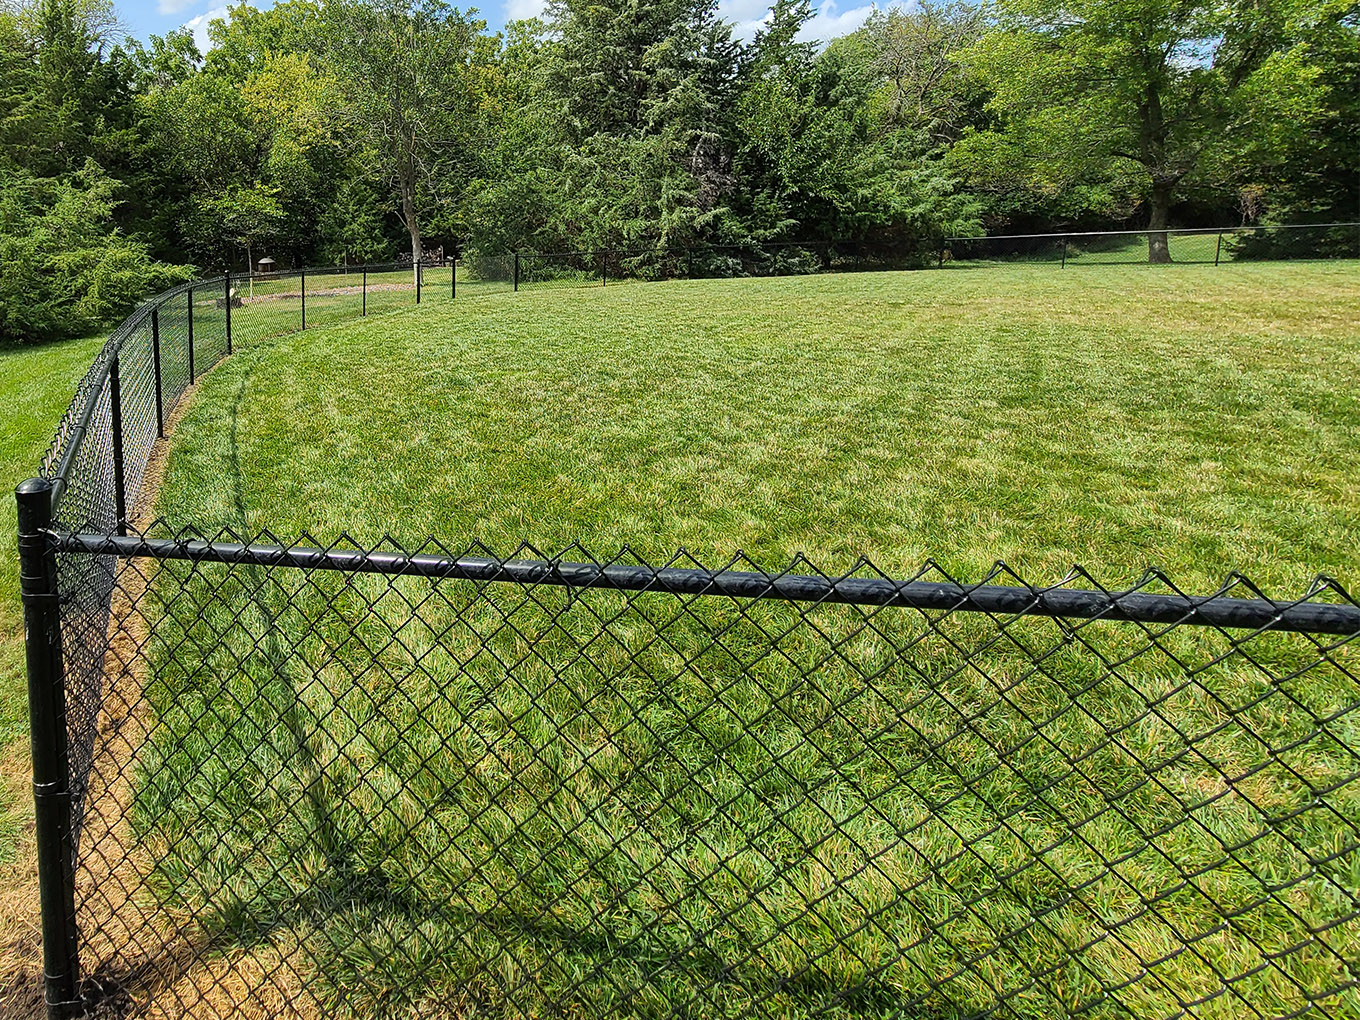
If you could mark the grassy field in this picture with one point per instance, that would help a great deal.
(35, 386)
(1117, 418)
(303, 795)
(501, 796)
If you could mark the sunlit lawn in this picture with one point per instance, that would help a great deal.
(1119, 418)
(36, 384)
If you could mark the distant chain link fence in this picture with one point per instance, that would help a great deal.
(1198, 246)
(298, 778)
(1194, 246)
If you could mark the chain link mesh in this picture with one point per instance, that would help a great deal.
(1187, 246)
(352, 790)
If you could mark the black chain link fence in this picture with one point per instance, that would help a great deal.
(291, 778)
(1193, 246)
(379, 782)
(1184, 246)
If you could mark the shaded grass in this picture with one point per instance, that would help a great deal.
(35, 387)
(473, 797)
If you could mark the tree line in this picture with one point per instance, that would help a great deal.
(356, 130)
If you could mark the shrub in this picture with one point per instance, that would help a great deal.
(65, 268)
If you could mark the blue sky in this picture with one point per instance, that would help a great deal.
(141, 18)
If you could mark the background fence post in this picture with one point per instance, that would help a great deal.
(517, 271)
(191, 325)
(453, 279)
(604, 271)
(420, 272)
(1064, 254)
(303, 288)
(227, 281)
(363, 310)
(156, 365)
(51, 763)
(1218, 249)
(193, 375)
(116, 423)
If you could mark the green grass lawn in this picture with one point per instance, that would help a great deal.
(611, 804)
(605, 803)
(1118, 418)
(35, 386)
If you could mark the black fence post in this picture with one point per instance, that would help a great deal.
(51, 762)
(453, 279)
(116, 423)
(1218, 249)
(604, 271)
(1064, 253)
(156, 365)
(193, 375)
(364, 309)
(191, 331)
(420, 272)
(303, 288)
(227, 280)
(517, 271)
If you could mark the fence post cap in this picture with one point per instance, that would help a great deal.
(34, 486)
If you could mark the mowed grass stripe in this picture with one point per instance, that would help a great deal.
(1189, 419)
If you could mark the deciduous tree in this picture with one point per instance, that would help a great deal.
(406, 67)
(1086, 85)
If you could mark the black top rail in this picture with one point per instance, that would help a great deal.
(1134, 606)
(700, 246)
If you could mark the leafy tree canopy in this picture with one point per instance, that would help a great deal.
(350, 130)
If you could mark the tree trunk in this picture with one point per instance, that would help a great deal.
(408, 213)
(1159, 251)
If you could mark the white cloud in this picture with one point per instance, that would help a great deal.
(515, 10)
(199, 26)
(832, 22)
(828, 21)
(746, 15)
(172, 6)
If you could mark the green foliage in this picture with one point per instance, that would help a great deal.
(915, 54)
(669, 132)
(356, 129)
(68, 136)
(1139, 98)
(67, 270)
(352, 224)
(409, 74)
(1309, 173)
